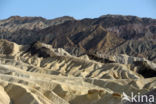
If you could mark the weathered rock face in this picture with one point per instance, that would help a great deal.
(6, 47)
(106, 35)
(145, 69)
(40, 74)
(39, 50)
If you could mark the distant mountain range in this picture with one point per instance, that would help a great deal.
(103, 36)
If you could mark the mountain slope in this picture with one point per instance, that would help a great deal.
(109, 34)
(106, 35)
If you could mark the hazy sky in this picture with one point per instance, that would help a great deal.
(77, 8)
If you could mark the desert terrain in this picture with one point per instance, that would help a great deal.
(68, 61)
